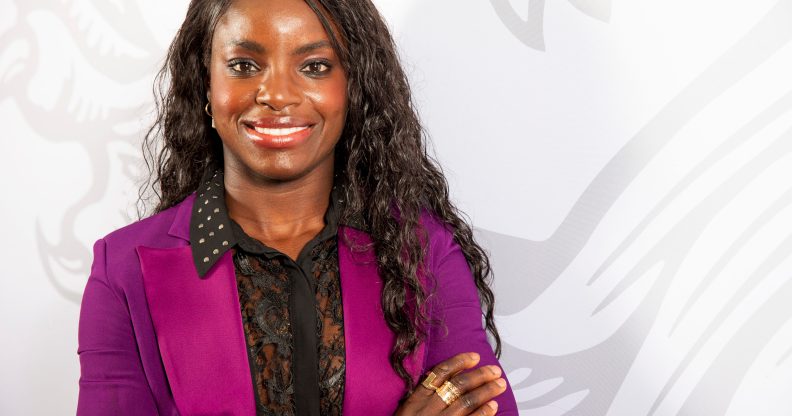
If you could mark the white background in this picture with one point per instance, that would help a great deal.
(626, 162)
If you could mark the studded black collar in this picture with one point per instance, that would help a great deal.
(213, 232)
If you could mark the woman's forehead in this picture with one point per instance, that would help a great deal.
(268, 21)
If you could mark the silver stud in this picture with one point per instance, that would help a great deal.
(209, 218)
(199, 210)
(201, 241)
(206, 259)
(200, 196)
(215, 251)
(220, 227)
(206, 202)
(211, 233)
(200, 225)
(225, 243)
(214, 196)
(216, 210)
(208, 188)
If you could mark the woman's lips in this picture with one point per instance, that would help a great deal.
(278, 137)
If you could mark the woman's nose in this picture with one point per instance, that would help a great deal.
(278, 90)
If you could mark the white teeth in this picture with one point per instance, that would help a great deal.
(279, 132)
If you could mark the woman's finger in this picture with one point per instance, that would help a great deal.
(465, 382)
(476, 398)
(470, 380)
(487, 409)
(447, 369)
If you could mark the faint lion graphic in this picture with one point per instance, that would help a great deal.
(86, 68)
(530, 31)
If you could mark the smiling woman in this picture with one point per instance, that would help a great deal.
(303, 256)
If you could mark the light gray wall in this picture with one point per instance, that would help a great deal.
(627, 164)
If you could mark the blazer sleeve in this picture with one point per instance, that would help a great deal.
(112, 381)
(456, 306)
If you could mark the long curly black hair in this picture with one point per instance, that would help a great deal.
(381, 155)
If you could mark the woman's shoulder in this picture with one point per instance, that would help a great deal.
(440, 235)
(452, 282)
(154, 230)
(116, 258)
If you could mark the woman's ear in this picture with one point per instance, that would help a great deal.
(207, 83)
(206, 107)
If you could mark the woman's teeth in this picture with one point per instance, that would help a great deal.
(279, 132)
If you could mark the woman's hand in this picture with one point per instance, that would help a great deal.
(477, 388)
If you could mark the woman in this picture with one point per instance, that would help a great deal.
(304, 257)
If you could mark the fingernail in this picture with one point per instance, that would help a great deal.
(501, 382)
(474, 357)
(495, 370)
(493, 405)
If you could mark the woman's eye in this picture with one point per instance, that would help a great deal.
(242, 67)
(316, 68)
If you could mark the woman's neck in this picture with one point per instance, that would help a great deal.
(281, 214)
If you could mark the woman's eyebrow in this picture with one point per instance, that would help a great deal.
(254, 46)
(310, 47)
(250, 45)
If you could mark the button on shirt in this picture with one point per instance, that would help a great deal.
(291, 309)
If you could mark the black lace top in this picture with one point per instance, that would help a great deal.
(291, 309)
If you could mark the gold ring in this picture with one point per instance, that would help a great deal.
(428, 381)
(448, 392)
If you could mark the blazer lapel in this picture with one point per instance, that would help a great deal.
(198, 326)
(372, 387)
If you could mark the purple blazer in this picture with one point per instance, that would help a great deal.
(155, 338)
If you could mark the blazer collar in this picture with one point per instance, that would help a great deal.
(180, 227)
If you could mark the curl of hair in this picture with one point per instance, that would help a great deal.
(382, 156)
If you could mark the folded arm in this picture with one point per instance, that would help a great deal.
(456, 305)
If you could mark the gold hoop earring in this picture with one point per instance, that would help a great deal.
(206, 109)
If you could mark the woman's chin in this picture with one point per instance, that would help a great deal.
(276, 173)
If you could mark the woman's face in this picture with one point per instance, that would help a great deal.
(277, 90)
